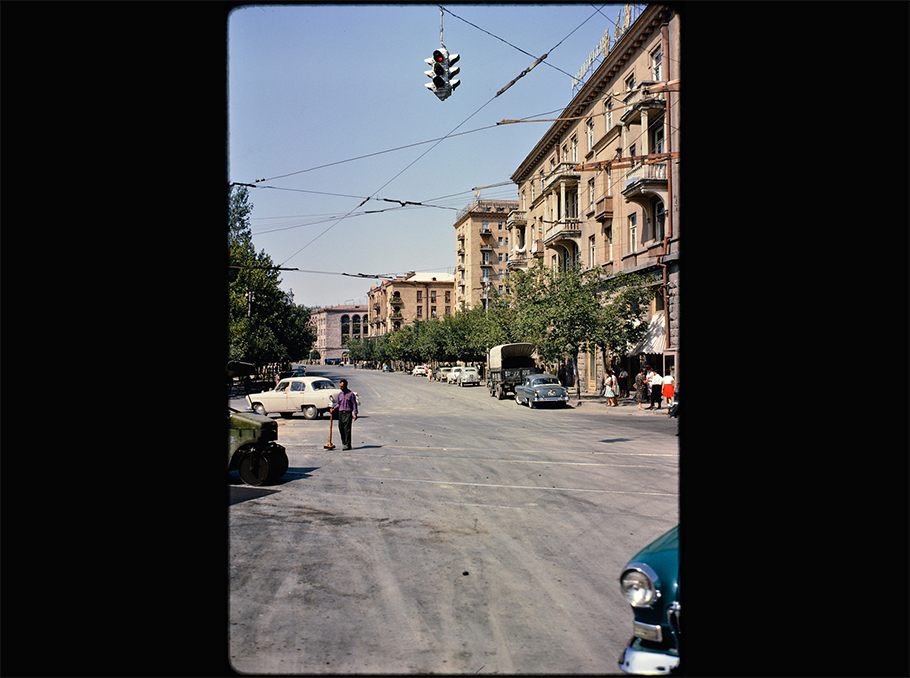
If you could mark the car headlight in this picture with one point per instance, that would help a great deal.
(639, 585)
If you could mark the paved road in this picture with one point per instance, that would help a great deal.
(461, 535)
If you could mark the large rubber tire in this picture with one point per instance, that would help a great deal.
(259, 409)
(310, 412)
(278, 463)
(254, 468)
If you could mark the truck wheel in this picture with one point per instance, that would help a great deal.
(278, 463)
(499, 394)
(310, 412)
(254, 468)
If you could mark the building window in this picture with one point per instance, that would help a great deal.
(609, 234)
(590, 127)
(500, 257)
(419, 295)
(574, 149)
(485, 226)
(591, 194)
(610, 114)
(591, 252)
(633, 232)
(500, 226)
(432, 311)
(659, 219)
(448, 296)
(630, 82)
(656, 65)
(500, 242)
(433, 296)
(420, 311)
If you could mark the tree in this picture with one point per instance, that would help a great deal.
(265, 326)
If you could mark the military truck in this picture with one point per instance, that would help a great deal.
(508, 365)
(253, 449)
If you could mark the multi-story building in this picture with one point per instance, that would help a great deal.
(414, 297)
(600, 188)
(482, 250)
(335, 325)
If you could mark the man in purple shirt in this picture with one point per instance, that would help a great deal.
(346, 410)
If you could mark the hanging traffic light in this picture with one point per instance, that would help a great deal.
(441, 73)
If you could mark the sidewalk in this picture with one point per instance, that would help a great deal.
(626, 405)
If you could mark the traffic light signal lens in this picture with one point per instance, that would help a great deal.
(438, 56)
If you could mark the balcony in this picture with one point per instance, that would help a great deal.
(643, 182)
(517, 261)
(603, 208)
(486, 231)
(517, 218)
(486, 248)
(486, 264)
(563, 172)
(637, 101)
(566, 229)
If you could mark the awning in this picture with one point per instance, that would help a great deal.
(655, 339)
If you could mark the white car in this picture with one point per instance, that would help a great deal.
(468, 375)
(419, 371)
(311, 395)
(452, 377)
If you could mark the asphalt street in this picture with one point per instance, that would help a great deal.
(462, 534)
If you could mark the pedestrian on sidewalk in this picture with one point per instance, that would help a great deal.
(623, 383)
(656, 381)
(346, 408)
(641, 387)
(668, 387)
(610, 389)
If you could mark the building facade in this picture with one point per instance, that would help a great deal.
(414, 297)
(335, 326)
(482, 250)
(600, 188)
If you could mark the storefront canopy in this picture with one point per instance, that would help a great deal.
(655, 339)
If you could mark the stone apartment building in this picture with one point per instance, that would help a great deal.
(601, 186)
(416, 296)
(482, 249)
(335, 325)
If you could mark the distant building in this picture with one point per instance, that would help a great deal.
(414, 297)
(481, 250)
(335, 326)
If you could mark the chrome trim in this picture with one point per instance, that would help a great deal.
(647, 663)
(646, 570)
(673, 613)
(653, 632)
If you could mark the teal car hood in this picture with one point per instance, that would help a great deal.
(662, 556)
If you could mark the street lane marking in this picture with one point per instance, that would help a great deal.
(514, 487)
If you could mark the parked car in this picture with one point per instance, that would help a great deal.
(537, 389)
(650, 583)
(387, 368)
(468, 375)
(419, 371)
(441, 373)
(310, 395)
(452, 377)
(296, 372)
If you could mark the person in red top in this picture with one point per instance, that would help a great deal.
(346, 410)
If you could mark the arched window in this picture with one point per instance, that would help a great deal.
(345, 329)
(355, 330)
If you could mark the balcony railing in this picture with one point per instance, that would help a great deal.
(517, 218)
(565, 229)
(564, 170)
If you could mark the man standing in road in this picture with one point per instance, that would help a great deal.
(346, 409)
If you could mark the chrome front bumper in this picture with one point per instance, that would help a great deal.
(646, 663)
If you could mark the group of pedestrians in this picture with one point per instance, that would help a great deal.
(650, 387)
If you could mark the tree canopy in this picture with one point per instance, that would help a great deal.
(265, 325)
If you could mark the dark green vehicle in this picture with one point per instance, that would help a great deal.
(650, 583)
(253, 449)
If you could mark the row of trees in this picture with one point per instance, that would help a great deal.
(563, 312)
(266, 327)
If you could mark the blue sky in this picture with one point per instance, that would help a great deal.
(316, 85)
